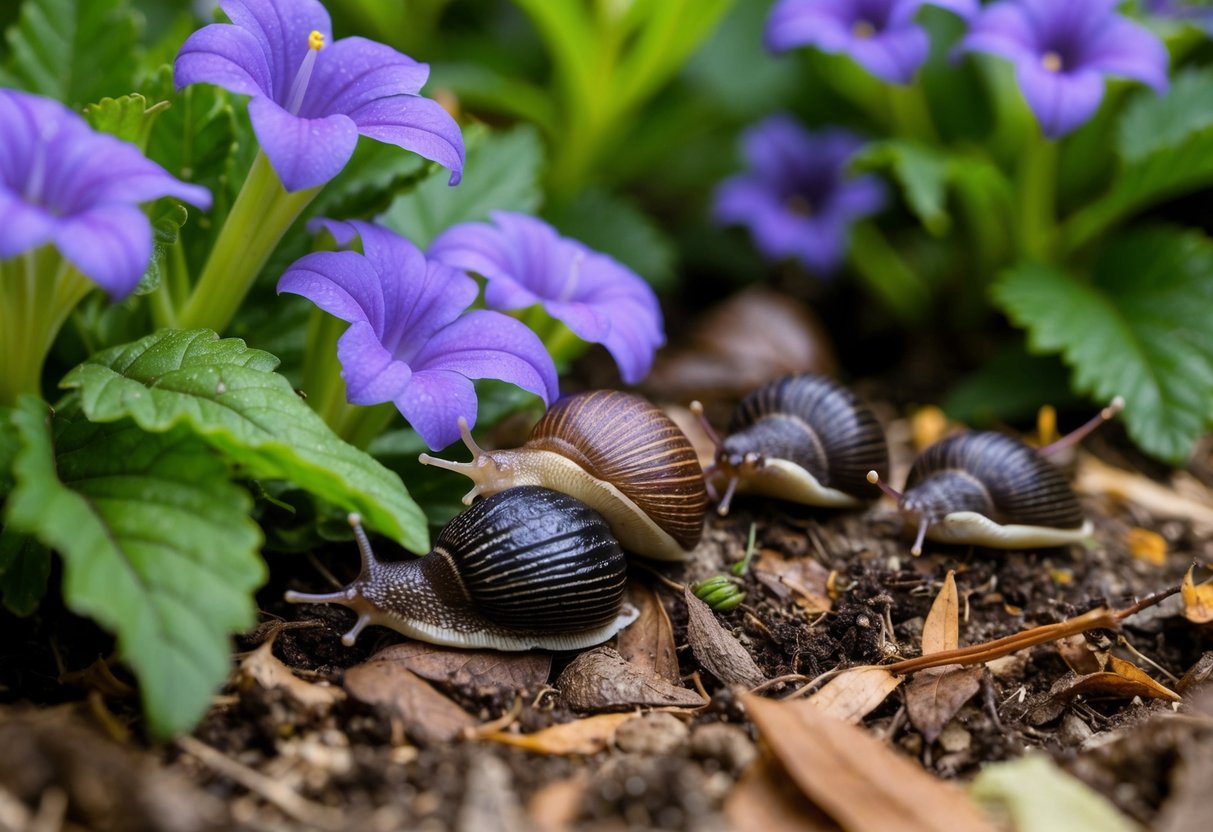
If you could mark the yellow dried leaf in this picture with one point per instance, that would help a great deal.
(1134, 673)
(1096, 477)
(1046, 425)
(1147, 545)
(1198, 599)
(1061, 577)
(854, 693)
(941, 631)
(927, 426)
(582, 736)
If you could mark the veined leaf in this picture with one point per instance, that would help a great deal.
(25, 564)
(1141, 329)
(166, 228)
(501, 174)
(156, 542)
(128, 117)
(230, 396)
(75, 51)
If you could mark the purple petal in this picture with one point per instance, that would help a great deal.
(372, 374)
(417, 124)
(226, 56)
(105, 169)
(341, 283)
(355, 71)
(858, 198)
(484, 344)
(304, 152)
(25, 226)
(586, 322)
(1127, 50)
(1061, 101)
(281, 27)
(433, 402)
(1003, 29)
(795, 23)
(110, 245)
(893, 55)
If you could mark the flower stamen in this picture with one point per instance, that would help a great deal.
(799, 205)
(863, 30)
(1051, 61)
(294, 99)
(570, 283)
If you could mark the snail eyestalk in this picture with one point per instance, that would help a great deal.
(697, 409)
(875, 479)
(1075, 436)
(482, 469)
(916, 549)
(726, 501)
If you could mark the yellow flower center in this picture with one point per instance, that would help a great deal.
(863, 29)
(1051, 61)
(315, 40)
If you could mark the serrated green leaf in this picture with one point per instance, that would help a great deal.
(230, 396)
(75, 51)
(157, 546)
(1153, 123)
(923, 173)
(1140, 329)
(129, 117)
(25, 565)
(501, 173)
(613, 225)
(166, 228)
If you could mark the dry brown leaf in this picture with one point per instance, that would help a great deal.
(1134, 673)
(1146, 545)
(1198, 674)
(1096, 477)
(582, 736)
(648, 642)
(716, 648)
(557, 805)
(263, 667)
(858, 780)
(426, 714)
(1102, 685)
(1198, 599)
(1077, 653)
(804, 579)
(937, 694)
(525, 671)
(855, 693)
(765, 798)
(941, 631)
(601, 680)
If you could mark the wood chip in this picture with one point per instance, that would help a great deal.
(935, 696)
(765, 798)
(601, 680)
(715, 647)
(1077, 653)
(1198, 599)
(648, 642)
(803, 579)
(264, 668)
(581, 736)
(479, 669)
(426, 714)
(941, 630)
(856, 779)
(855, 693)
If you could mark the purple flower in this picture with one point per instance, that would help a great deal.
(312, 98)
(880, 35)
(1063, 50)
(410, 341)
(63, 183)
(1198, 12)
(796, 198)
(526, 262)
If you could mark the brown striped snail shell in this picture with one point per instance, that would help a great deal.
(804, 439)
(526, 568)
(617, 453)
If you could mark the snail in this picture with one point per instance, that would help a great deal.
(989, 489)
(526, 568)
(618, 454)
(800, 438)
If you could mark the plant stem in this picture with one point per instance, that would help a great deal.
(262, 213)
(1037, 197)
(886, 274)
(911, 115)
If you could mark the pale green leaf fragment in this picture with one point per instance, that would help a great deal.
(128, 117)
(1038, 796)
(156, 542)
(1152, 123)
(230, 396)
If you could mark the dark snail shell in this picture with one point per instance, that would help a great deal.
(526, 568)
(810, 423)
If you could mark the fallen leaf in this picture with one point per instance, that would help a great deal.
(600, 680)
(1077, 653)
(1186, 808)
(941, 630)
(581, 736)
(426, 714)
(1147, 545)
(648, 642)
(855, 693)
(263, 667)
(554, 807)
(1198, 599)
(1037, 795)
(524, 671)
(934, 696)
(1198, 674)
(1133, 673)
(804, 579)
(489, 800)
(1096, 477)
(856, 779)
(715, 647)
(1102, 685)
(765, 798)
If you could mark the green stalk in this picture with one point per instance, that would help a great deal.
(887, 275)
(910, 112)
(262, 213)
(322, 380)
(1037, 197)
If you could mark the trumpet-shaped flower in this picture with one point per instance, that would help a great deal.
(63, 183)
(880, 35)
(526, 262)
(410, 340)
(1062, 51)
(796, 198)
(311, 98)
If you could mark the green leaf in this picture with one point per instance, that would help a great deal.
(25, 565)
(613, 225)
(75, 51)
(166, 228)
(157, 546)
(230, 396)
(501, 173)
(1011, 387)
(8, 451)
(1034, 793)
(129, 118)
(194, 138)
(367, 183)
(923, 173)
(1140, 329)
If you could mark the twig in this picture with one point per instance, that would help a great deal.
(672, 584)
(494, 725)
(779, 680)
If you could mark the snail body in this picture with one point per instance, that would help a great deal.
(804, 439)
(617, 453)
(526, 568)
